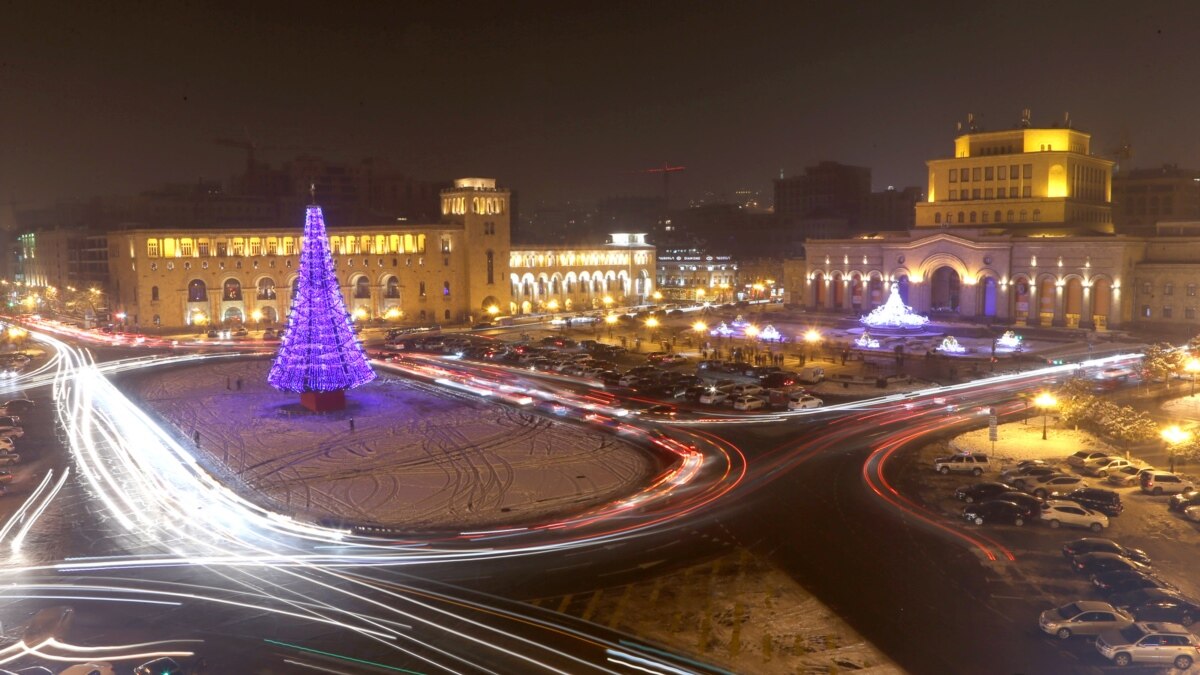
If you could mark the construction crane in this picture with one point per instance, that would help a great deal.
(666, 170)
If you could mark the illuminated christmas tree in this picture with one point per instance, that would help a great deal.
(320, 357)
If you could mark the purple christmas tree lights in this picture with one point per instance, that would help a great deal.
(320, 353)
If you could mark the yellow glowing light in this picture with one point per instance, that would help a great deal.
(608, 300)
(1174, 435)
(758, 287)
(16, 333)
(1192, 365)
(552, 305)
(360, 313)
(652, 322)
(256, 315)
(657, 295)
(699, 292)
(392, 313)
(812, 335)
(751, 331)
(1045, 400)
(493, 310)
(610, 319)
(699, 326)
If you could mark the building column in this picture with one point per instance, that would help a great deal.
(829, 294)
(810, 298)
(1085, 312)
(847, 301)
(1060, 290)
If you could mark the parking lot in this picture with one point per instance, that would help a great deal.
(1041, 574)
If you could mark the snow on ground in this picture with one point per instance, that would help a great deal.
(1184, 407)
(1018, 440)
(416, 457)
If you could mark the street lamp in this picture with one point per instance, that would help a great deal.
(257, 316)
(608, 301)
(812, 336)
(1175, 437)
(1192, 366)
(1045, 401)
(611, 320)
(657, 296)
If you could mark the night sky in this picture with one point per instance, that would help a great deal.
(568, 100)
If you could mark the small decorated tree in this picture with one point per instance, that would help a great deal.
(320, 356)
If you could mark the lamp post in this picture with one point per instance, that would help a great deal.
(812, 336)
(1192, 366)
(1174, 437)
(611, 320)
(608, 301)
(652, 324)
(1045, 401)
(257, 316)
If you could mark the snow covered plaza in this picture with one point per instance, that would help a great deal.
(415, 458)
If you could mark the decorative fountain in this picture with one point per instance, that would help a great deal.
(769, 334)
(865, 341)
(950, 345)
(1009, 340)
(894, 314)
(722, 330)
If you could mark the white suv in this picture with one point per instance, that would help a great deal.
(1149, 642)
(1058, 512)
(963, 462)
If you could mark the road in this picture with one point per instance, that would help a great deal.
(147, 551)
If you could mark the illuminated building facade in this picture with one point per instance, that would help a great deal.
(695, 274)
(572, 278)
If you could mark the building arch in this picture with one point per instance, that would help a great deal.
(942, 259)
(197, 291)
(231, 289)
(265, 288)
(362, 287)
(391, 286)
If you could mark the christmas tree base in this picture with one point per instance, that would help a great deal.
(324, 401)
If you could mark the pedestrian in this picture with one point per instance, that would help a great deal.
(196, 437)
(228, 385)
(351, 424)
(239, 383)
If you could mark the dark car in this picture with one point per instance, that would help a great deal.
(1094, 563)
(1033, 504)
(1158, 604)
(1177, 502)
(981, 491)
(1133, 583)
(1096, 499)
(610, 377)
(1044, 485)
(777, 380)
(996, 512)
(1108, 582)
(1024, 475)
(1099, 545)
(213, 332)
(18, 405)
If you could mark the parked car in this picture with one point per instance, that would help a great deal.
(748, 403)
(10, 420)
(11, 432)
(1020, 476)
(1127, 476)
(1164, 483)
(160, 666)
(714, 397)
(1157, 604)
(1133, 581)
(1042, 486)
(746, 389)
(1078, 547)
(1105, 465)
(963, 462)
(90, 668)
(673, 360)
(1149, 642)
(17, 406)
(1182, 500)
(979, 492)
(1108, 583)
(996, 511)
(1097, 499)
(1022, 499)
(1055, 514)
(803, 402)
(1192, 513)
(1086, 617)
(1079, 459)
(1088, 564)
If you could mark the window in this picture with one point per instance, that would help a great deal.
(445, 244)
(961, 217)
(185, 248)
(989, 193)
(1010, 216)
(984, 216)
(1023, 214)
(255, 246)
(1012, 192)
(1002, 172)
(152, 248)
(154, 293)
(491, 267)
(222, 249)
(1027, 171)
(975, 173)
(362, 288)
(203, 246)
(1147, 288)
(1146, 311)
(197, 291)
(1167, 312)
(937, 218)
(987, 173)
(975, 193)
(997, 216)
(232, 290)
(1027, 191)
(953, 175)
(953, 195)
(421, 289)
(446, 288)
(1014, 171)
(447, 315)
(1191, 290)
(1169, 288)
(1189, 313)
